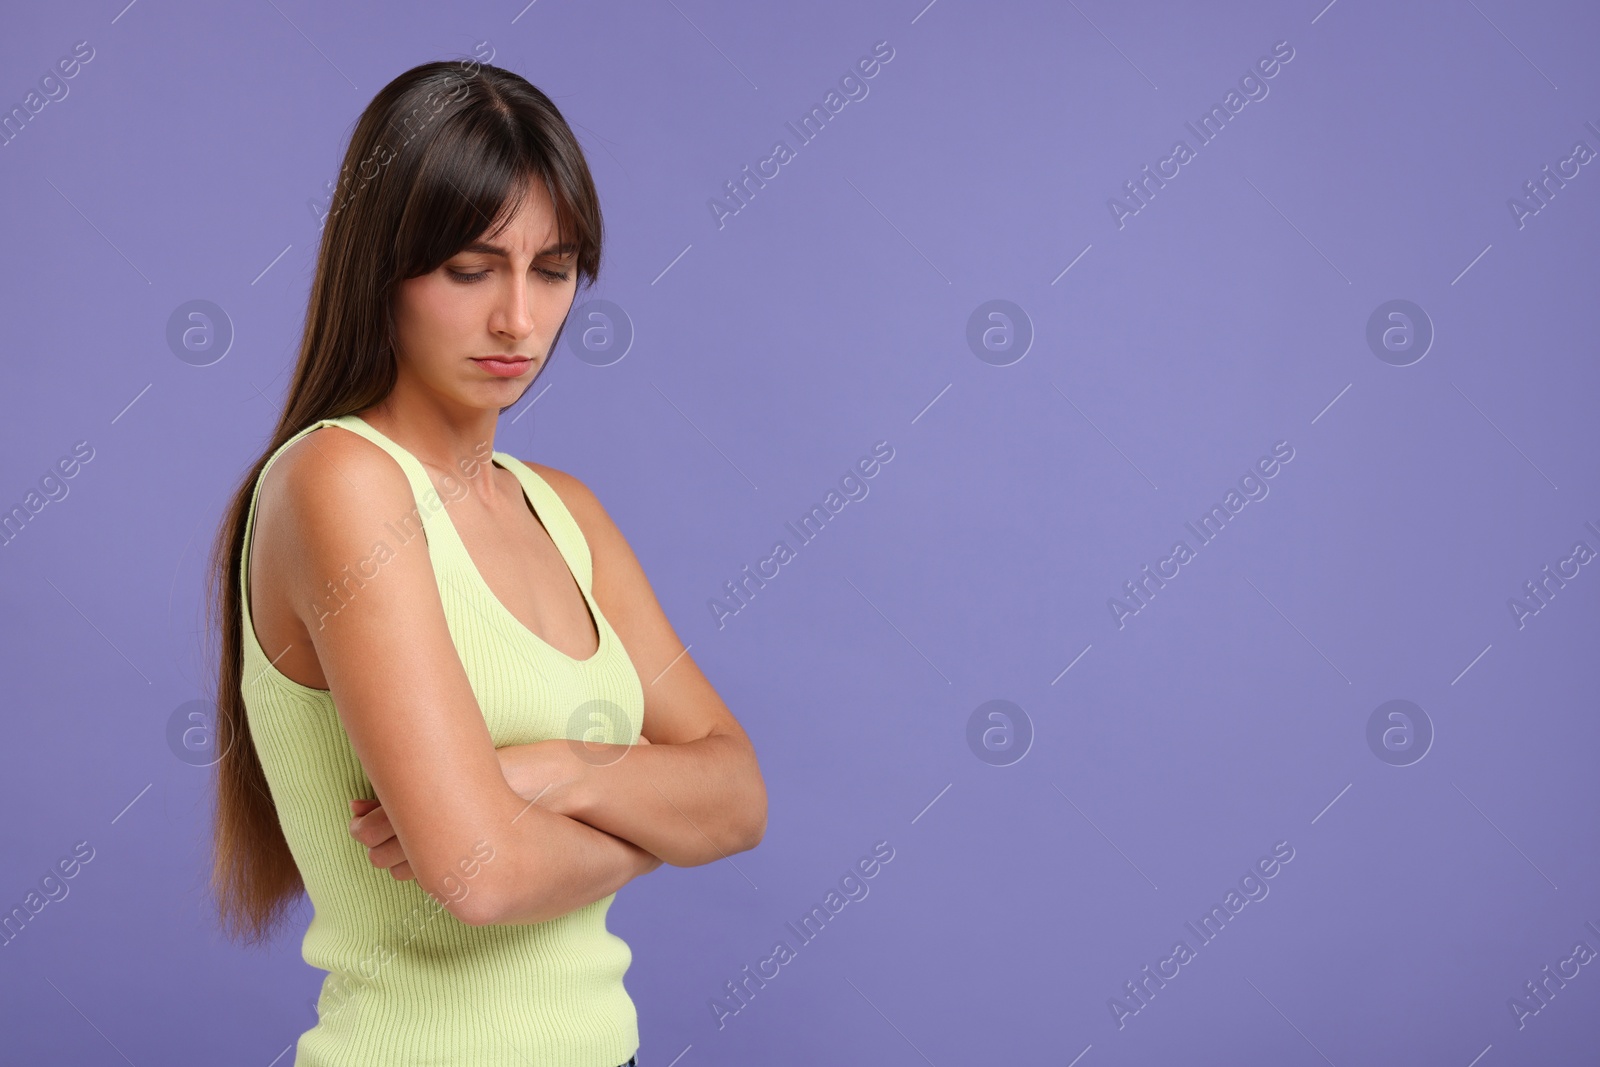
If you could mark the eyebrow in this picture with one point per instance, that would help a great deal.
(495, 250)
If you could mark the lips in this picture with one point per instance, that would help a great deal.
(503, 366)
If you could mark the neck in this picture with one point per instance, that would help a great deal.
(444, 436)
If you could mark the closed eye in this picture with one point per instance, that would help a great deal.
(467, 279)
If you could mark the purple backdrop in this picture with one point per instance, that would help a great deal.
(1340, 346)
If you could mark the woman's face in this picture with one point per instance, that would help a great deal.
(478, 329)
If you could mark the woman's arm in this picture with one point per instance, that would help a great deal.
(404, 700)
(696, 794)
(612, 862)
(689, 803)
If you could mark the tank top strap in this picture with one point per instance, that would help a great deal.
(558, 521)
(445, 545)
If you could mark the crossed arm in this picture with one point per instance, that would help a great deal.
(686, 804)
(689, 793)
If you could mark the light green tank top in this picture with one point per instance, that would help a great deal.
(408, 982)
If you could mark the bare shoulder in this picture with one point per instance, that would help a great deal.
(328, 451)
(332, 468)
(327, 499)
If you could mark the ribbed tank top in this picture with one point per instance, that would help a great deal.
(408, 983)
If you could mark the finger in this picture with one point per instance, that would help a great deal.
(373, 828)
(360, 808)
(376, 825)
(387, 854)
(401, 872)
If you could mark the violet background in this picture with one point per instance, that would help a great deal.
(768, 356)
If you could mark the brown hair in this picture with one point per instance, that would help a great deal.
(441, 154)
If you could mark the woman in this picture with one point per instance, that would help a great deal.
(453, 646)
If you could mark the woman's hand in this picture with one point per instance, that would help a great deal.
(372, 828)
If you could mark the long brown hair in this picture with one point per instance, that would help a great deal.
(441, 154)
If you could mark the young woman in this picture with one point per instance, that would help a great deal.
(451, 709)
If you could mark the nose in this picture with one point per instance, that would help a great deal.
(512, 316)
